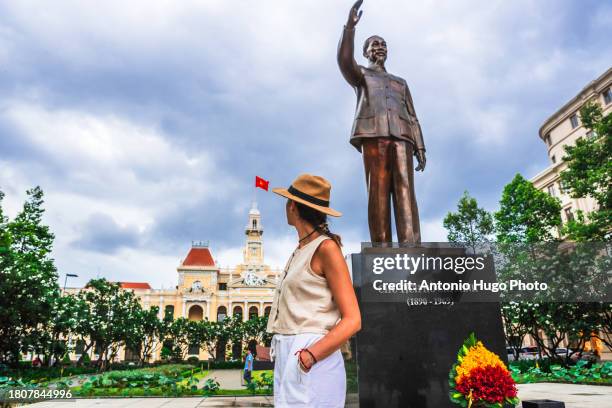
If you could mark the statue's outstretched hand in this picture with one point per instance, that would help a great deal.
(420, 154)
(354, 14)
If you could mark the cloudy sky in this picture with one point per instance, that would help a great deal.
(145, 122)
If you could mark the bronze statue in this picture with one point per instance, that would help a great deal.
(388, 134)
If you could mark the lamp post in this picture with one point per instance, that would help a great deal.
(68, 275)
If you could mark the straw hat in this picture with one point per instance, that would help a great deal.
(310, 190)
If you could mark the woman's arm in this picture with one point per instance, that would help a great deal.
(329, 262)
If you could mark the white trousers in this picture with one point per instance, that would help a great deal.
(324, 385)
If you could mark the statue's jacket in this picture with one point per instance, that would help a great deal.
(384, 104)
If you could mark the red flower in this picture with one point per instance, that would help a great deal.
(491, 384)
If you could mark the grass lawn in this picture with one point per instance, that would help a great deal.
(349, 366)
(197, 375)
(256, 375)
(172, 380)
(241, 392)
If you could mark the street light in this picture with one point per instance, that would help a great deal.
(71, 275)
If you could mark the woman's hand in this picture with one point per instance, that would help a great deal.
(305, 359)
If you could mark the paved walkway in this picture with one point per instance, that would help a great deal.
(573, 395)
(229, 379)
(259, 401)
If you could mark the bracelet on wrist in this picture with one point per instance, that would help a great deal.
(299, 353)
(314, 359)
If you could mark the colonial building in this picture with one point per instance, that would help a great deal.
(563, 128)
(207, 291)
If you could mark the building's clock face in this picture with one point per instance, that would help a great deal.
(196, 286)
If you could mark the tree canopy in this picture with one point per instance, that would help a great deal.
(589, 174)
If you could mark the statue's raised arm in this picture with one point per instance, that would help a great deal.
(346, 48)
(386, 132)
(354, 14)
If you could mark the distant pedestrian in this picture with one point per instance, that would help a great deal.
(248, 367)
(36, 363)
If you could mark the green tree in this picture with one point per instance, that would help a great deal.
(125, 325)
(179, 333)
(206, 335)
(589, 174)
(470, 225)
(106, 318)
(6, 255)
(526, 214)
(8, 346)
(29, 278)
(63, 323)
(256, 329)
(231, 329)
(524, 228)
(148, 329)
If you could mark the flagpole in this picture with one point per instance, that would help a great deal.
(254, 193)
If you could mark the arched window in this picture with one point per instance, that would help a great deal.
(98, 349)
(267, 311)
(169, 312)
(168, 345)
(253, 312)
(194, 349)
(254, 224)
(132, 354)
(196, 313)
(237, 311)
(252, 345)
(237, 351)
(221, 313)
(80, 347)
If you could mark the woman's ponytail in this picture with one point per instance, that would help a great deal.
(318, 220)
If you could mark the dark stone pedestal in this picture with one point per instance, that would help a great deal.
(405, 353)
(543, 404)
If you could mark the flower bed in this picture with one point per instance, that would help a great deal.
(45, 374)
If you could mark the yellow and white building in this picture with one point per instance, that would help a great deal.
(207, 291)
(563, 128)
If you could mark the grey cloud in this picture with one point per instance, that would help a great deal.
(257, 88)
(100, 233)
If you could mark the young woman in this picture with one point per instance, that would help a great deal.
(314, 311)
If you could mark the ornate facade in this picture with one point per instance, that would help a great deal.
(207, 291)
(563, 128)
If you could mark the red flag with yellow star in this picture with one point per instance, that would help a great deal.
(261, 183)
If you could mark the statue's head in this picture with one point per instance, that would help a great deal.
(375, 49)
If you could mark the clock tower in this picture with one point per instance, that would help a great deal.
(253, 250)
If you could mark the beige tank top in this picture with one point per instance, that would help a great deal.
(303, 301)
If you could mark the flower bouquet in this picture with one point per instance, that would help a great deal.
(480, 379)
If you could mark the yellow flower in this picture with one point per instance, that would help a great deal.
(477, 356)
